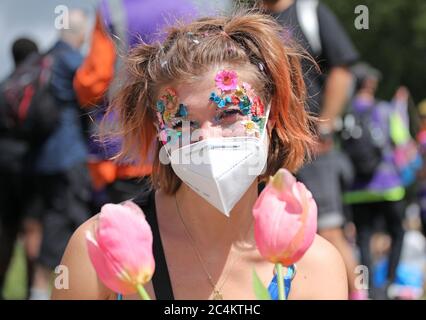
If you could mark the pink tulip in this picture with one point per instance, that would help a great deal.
(285, 219)
(121, 248)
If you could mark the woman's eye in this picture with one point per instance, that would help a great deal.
(178, 125)
(229, 112)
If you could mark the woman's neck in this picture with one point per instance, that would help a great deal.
(211, 228)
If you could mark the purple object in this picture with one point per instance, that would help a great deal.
(146, 19)
(386, 175)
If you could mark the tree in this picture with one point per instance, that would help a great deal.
(395, 42)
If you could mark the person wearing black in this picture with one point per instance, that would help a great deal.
(61, 162)
(377, 194)
(15, 182)
(317, 30)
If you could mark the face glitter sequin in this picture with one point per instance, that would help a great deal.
(238, 109)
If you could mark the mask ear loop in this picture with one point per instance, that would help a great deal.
(265, 129)
(265, 138)
(168, 150)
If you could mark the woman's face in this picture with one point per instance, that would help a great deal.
(219, 105)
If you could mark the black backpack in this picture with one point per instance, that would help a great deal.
(362, 146)
(28, 110)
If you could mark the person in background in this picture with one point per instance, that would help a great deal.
(318, 31)
(61, 164)
(16, 206)
(121, 25)
(407, 156)
(410, 275)
(421, 175)
(380, 193)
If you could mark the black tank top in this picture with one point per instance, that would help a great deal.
(161, 279)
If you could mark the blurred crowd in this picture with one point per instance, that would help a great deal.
(368, 173)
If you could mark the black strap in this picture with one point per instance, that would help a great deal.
(161, 278)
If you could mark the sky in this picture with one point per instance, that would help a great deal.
(36, 19)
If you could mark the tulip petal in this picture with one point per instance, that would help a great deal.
(133, 207)
(282, 180)
(306, 234)
(126, 236)
(274, 228)
(285, 219)
(107, 271)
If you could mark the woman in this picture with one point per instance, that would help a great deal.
(226, 99)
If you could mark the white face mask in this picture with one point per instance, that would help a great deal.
(221, 169)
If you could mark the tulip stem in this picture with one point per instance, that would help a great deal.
(280, 281)
(142, 292)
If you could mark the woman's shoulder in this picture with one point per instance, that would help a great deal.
(322, 272)
(82, 281)
(321, 249)
(78, 238)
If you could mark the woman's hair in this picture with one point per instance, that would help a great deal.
(250, 42)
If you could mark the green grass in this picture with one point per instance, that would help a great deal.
(16, 277)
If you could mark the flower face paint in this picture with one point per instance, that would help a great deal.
(236, 110)
(226, 80)
(234, 98)
(170, 115)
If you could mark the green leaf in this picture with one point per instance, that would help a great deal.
(259, 289)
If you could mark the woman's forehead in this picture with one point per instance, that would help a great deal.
(196, 95)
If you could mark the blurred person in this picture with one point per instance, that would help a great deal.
(22, 48)
(377, 192)
(17, 209)
(121, 25)
(60, 165)
(421, 140)
(318, 31)
(410, 273)
(407, 155)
